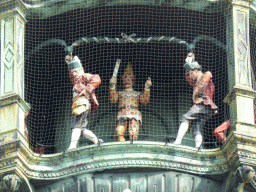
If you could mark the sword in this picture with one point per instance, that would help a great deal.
(116, 67)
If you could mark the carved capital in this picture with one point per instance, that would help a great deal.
(10, 182)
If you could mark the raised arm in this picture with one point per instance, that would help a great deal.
(145, 97)
(93, 81)
(112, 90)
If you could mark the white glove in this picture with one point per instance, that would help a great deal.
(190, 58)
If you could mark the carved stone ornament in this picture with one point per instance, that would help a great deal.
(10, 183)
(245, 174)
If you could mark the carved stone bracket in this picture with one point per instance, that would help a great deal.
(244, 174)
(10, 182)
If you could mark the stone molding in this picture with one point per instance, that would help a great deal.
(240, 146)
(243, 3)
(240, 91)
(13, 7)
(118, 155)
(12, 99)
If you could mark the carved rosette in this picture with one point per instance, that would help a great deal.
(10, 182)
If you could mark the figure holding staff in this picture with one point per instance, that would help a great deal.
(128, 116)
(84, 100)
(203, 107)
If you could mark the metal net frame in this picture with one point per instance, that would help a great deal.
(252, 33)
(155, 39)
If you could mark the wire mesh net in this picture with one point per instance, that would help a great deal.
(252, 33)
(163, 38)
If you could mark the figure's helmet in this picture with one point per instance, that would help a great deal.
(128, 74)
(75, 67)
(75, 64)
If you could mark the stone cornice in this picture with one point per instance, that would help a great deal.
(240, 149)
(14, 98)
(11, 7)
(240, 91)
(243, 3)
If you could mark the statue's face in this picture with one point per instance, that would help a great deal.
(128, 81)
(68, 59)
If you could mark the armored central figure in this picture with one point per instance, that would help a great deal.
(203, 107)
(128, 115)
(84, 100)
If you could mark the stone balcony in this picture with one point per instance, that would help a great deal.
(42, 170)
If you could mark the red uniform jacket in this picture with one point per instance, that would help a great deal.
(87, 82)
(203, 89)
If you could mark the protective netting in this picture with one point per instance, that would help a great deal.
(49, 90)
(252, 33)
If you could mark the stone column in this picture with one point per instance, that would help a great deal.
(241, 94)
(12, 104)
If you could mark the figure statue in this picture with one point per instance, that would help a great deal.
(220, 131)
(128, 115)
(203, 107)
(25, 125)
(84, 100)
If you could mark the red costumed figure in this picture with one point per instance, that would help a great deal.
(220, 132)
(203, 107)
(128, 115)
(84, 100)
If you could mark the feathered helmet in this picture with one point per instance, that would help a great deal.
(191, 63)
(128, 73)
